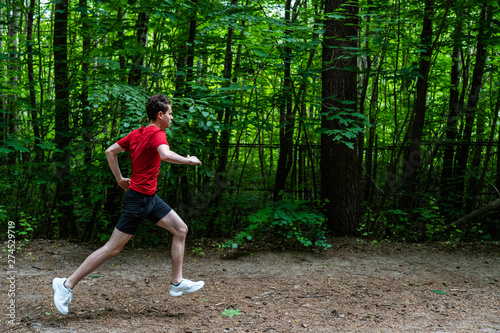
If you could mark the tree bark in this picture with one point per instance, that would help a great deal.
(141, 30)
(340, 189)
(87, 119)
(469, 217)
(185, 62)
(10, 104)
(225, 116)
(449, 198)
(31, 80)
(62, 159)
(3, 69)
(473, 99)
(488, 154)
(412, 156)
(287, 117)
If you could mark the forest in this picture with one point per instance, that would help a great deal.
(313, 119)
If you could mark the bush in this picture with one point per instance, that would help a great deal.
(289, 222)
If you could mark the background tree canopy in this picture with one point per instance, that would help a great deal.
(312, 118)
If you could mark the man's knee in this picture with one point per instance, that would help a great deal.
(115, 252)
(181, 230)
(112, 251)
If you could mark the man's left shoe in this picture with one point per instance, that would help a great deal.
(186, 286)
(62, 295)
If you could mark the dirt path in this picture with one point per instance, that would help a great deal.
(352, 287)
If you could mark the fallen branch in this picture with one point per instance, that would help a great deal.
(464, 219)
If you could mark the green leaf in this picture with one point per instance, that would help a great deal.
(231, 312)
(440, 292)
(4, 150)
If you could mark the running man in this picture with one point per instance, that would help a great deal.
(148, 146)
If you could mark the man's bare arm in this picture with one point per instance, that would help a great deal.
(170, 156)
(111, 155)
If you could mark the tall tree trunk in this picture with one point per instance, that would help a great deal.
(287, 117)
(10, 104)
(120, 35)
(141, 30)
(488, 154)
(185, 63)
(62, 159)
(473, 99)
(340, 189)
(449, 198)
(87, 119)
(86, 107)
(412, 156)
(190, 48)
(365, 64)
(31, 80)
(497, 155)
(3, 70)
(225, 116)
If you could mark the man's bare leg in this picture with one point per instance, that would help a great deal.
(114, 245)
(173, 223)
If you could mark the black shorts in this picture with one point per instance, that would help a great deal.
(137, 207)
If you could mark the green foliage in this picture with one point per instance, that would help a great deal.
(26, 224)
(247, 107)
(288, 222)
(132, 98)
(231, 312)
(3, 215)
(199, 250)
(353, 123)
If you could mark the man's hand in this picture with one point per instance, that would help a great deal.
(124, 183)
(194, 160)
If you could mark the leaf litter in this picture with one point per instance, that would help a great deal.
(350, 287)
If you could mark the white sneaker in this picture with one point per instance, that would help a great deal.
(186, 286)
(62, 295)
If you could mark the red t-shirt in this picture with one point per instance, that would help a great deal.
(142, 144)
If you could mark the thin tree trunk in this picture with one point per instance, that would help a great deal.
(141, 30)
(31, 80)
(486, 163)
(184, 90)
(473, 100)
(87, 119)
(470, 217)
(448, 197)
(121, 41)
(497, 179)
(225, 116)
(3, 70)
(412, 156)
(62, 159)
(365, 63)
(287, 117)
(11, 106)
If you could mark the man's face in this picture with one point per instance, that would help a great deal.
(166, 118)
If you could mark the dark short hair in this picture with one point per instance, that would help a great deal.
(155, 104)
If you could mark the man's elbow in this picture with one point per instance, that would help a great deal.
(111, 151)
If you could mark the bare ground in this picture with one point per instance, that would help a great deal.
(352, 287)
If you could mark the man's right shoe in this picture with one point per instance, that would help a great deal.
(62, 295)
(186, 286)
